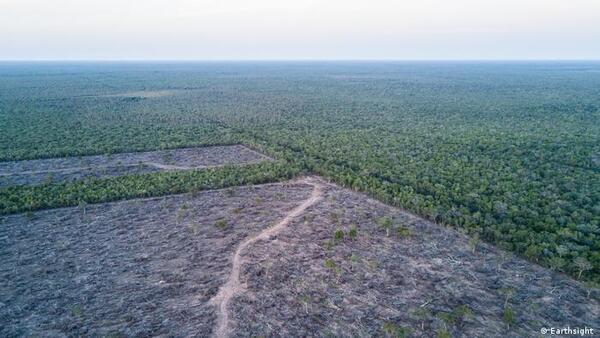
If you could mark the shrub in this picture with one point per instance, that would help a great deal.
(393, 330)
(221, 224)
(339, 235)
(353, 233)
(508, 316)
(403, 231)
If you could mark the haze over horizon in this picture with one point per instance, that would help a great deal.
(300, 30)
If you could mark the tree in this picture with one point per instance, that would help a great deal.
(582, 264)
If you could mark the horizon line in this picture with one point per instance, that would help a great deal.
(166, 60)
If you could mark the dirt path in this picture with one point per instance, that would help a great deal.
(156, 165)
(233, 285)
(171, 167)
(69, 170)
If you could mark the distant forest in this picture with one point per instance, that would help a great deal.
(509, 153)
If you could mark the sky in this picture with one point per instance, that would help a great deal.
(299, 30)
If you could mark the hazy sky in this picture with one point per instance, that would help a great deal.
(303, 29)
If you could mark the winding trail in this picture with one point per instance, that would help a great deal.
(233, 285)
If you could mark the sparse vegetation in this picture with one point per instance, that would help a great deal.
(473, 242)
(403, 231)
(181, 213)
(195, 227)
(422, 314)
(305, 300)
(353, 233)
(386, 224)
(339, 235)
(508, 293)
(456, 317)
(508, 316)
(392, 330)
(354, 261)
(77, 311)
(222, 224)
(332, 266)
(443, 333)
(82, 206)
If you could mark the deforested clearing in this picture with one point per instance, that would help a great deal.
(134, 268)
(338, 263)
(68, 169)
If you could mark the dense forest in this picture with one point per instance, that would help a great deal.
(508, 152)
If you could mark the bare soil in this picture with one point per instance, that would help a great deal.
(303, 258)
(77, 168)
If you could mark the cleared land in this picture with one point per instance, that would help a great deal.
(352, 266)
(134, 268)
(303, 258)
(77, 168)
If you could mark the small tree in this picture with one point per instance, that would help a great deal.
(423, 314)
(82, 206)
(508, 293)
(386, 223)
(582, 264)
(473, 242)
(508, 316)
(333, 267)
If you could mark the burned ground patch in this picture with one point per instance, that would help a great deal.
(351, 266)
(77, 168)
(136, 268)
